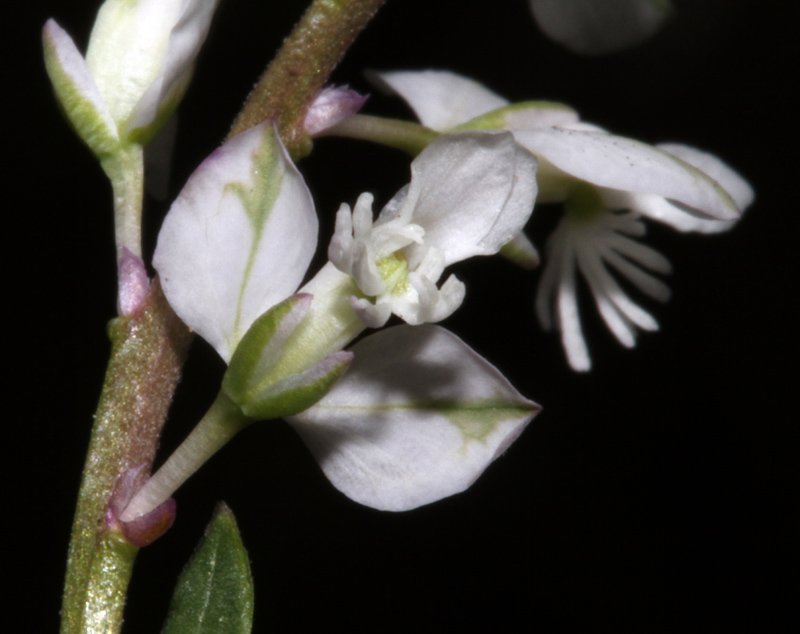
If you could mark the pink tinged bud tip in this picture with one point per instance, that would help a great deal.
(333, 105)
(134, 283)
(145, 529)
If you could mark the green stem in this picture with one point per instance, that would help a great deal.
(110, 573)
(125, 170)
(402, 135)
(302, 66)
(148, 349)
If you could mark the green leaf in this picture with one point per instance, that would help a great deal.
(214, 594)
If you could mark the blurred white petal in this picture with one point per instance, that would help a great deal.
(440, 99)
(594, 27)
(592, 244)
(624, 165)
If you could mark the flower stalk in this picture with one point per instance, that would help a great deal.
(407, 136)
(125, 170)
(221, 423)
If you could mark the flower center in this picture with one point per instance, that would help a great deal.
(393, 270)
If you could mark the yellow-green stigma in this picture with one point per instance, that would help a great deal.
(394, 273)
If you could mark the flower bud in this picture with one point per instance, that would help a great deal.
(137, 67)
(274, 372)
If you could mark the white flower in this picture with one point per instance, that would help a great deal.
(593, 27)
(595, 174)
(419, 415)
(138, 64)
(442, 217)
(384, 263)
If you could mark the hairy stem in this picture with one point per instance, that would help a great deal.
(110, 572)
(302, 66)
(148, 349)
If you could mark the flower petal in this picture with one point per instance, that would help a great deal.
(593, 27)
(440, 99)
(648, 284)
(523, 115)
(625, 165)
(423, 302)
(141, 54)
(669, 213)
(569, 321)
(185, 40)
(418, 417)
(550, 279)
(372, 315)
(472, 193)
(77, 92)
(617, 310)
(733, 183)
(238, 239)
(679, 218)
(591, 242)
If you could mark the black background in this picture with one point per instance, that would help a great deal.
(657, 493)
